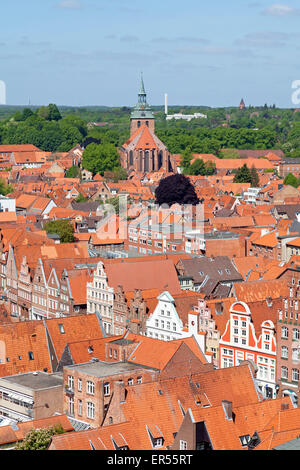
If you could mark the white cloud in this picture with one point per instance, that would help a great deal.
(69, 4)
(278, 9)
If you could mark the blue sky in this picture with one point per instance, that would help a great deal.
(91, 52)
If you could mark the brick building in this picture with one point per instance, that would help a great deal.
(143, 151)
(288, 338)
(240, 341)
(33, 395)
(89, 387)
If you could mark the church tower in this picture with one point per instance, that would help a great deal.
(143, 151)
(141, 114)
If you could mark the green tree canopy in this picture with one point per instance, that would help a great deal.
(291, 180)
(39, 439)
(63, 228)
(5, 188)
(243, 175)
(100, 158)
(199, 167)
(73, 172)
(254, 177)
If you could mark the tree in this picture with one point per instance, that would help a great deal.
(39, 439)
(291, 180)
(243, 175)
(199, 167)
(5, 188)
(176, 189)
(26, 114)
(116, 175)
(73, 172)
(99, 158)
(254, 177)
(54, 114)
(114, 201)
(90, 140)
(63, 228)
(81, 198)
(186, 157)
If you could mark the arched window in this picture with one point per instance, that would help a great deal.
(147, 158)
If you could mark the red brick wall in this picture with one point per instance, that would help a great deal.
(98, 398)
(230, 247)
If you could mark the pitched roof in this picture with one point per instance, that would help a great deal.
(254, 291)
(156, 353)
(157, 408)
(151, 274)
(9, 434)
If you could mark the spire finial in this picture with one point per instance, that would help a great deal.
(142, 89)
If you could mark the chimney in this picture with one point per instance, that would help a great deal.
(120, 392)
(227, 406)
(166, 104)
(160, 217)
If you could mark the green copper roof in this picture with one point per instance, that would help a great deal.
(142, 87)
(142, 109)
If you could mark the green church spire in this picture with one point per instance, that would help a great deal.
(142, 109)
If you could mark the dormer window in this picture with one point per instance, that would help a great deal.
(158, 442)
(244, 440)
(156, 436)
(106, 388)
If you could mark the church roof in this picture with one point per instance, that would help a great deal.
(142, 109)
(143, 138)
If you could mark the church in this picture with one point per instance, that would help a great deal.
(143, 151)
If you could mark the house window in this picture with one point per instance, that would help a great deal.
(296, 333)
(284, 332)
(158, 442)
(244, 440)
(284, 352)
(139, 380)
(71, 406)
(61, 328)
(295, 354)
(130, 381)
(79, 385)
(80, 407)
(106, 388)
(90, 387)
(30, 355)
(90, 410)
(71, 382)
(284, 372)
(295, 375)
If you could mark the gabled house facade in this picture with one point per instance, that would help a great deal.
(241, 342)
